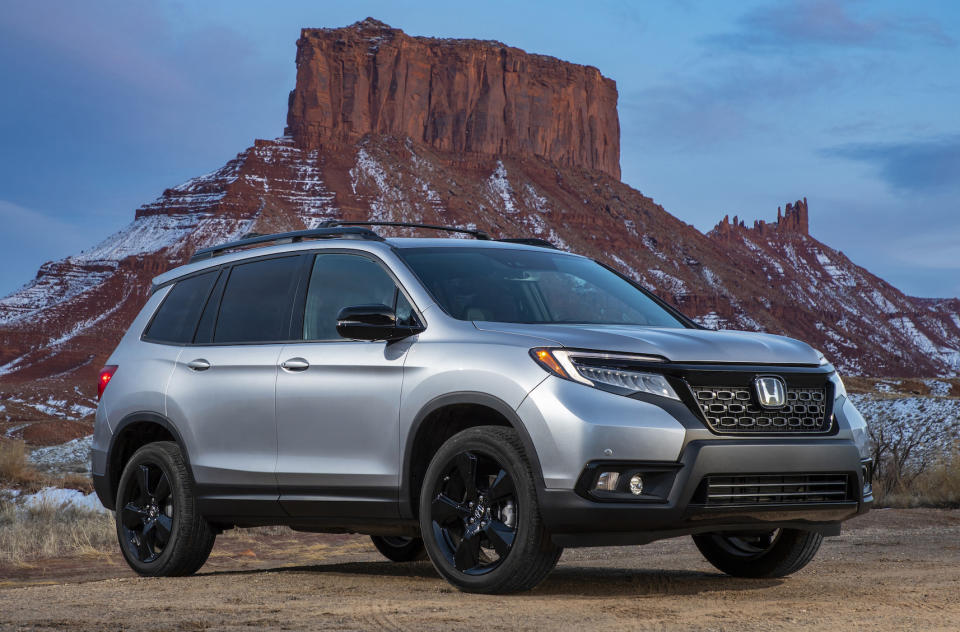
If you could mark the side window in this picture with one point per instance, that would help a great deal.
(342, 280)
(177, 317)
(257, 301)
(208, 319)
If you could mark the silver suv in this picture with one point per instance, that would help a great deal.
(479, 402)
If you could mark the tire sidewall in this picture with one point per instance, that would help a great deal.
(474, 440)
(154, 454)
(774, 562)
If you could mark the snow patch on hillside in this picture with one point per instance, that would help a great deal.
(500, 187)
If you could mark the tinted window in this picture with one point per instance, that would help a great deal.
(526, 286)
(256, 301)
(176, 319)
(339, 281)
(209, 317)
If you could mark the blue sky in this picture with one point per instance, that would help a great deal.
(724, 108)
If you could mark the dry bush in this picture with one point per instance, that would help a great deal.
(915, 445)
(938, 485)
(15, 471)
(50, 530)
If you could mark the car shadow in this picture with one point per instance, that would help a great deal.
(564, 580)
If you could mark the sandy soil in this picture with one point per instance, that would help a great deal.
(891, 570)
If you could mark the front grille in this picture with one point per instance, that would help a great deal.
(733, 410)
(773, 489)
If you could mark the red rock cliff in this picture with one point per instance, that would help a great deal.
(459, 96)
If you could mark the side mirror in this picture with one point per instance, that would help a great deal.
(372, 322)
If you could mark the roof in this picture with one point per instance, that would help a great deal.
(367, 245)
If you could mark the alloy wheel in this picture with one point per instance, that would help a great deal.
(146, 516)
(474, 512)
(747, 545)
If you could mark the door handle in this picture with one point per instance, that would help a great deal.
(199, 364)
(296, 364)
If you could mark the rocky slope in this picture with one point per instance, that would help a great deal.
(386, 126)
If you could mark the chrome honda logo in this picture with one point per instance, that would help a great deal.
(771, 391)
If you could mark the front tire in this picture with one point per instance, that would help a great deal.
(399, 549)
(479, 516)
(771, 554)
(160, 530)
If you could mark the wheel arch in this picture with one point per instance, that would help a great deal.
(130, 434)
(452, 413)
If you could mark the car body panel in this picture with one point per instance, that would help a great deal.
(337, 421)
(226, 414)
(675, 344)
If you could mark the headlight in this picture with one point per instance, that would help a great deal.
(600, 370)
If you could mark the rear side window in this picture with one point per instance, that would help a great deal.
(257, 301)
(340, 280)
(176, 320)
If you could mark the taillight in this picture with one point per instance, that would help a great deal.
(105, 374)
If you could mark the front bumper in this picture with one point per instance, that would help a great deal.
(574, 519)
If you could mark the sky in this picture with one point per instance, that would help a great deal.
(725, 108)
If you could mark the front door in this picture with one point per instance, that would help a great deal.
(338, 400)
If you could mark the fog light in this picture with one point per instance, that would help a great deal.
(607, 481)
(636, 484)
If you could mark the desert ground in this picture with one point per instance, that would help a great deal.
(893, 569)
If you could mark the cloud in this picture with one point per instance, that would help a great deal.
(828, 23)
(720, 101)
(922, 166)
(781, 27)
(938, 249)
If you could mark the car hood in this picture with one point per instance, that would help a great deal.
(677, 345)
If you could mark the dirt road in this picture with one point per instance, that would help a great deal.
(891, 570)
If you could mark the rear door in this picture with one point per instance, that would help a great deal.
(223, 388)
(338, 400)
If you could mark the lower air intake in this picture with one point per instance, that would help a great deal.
(774, 489)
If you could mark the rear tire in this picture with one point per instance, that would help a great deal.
(400, 549)
(772, 554)
(479, 517)
(160, 530)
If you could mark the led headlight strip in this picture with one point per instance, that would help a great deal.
(570, 366)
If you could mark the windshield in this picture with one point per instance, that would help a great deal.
(509, 285)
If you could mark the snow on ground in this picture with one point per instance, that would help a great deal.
(57, 496)
(887, 386)
(938, 388)
(69, 453)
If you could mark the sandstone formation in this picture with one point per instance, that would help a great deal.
(461, 96)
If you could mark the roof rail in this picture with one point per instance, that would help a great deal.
(530, 241)
(333, 232)
(479, 234)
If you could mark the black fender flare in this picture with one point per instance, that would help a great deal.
(462, 397)
(107, 487)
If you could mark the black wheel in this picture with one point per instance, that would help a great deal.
(398, 548)
(161, 533)
(769, 554)
(479, 516)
